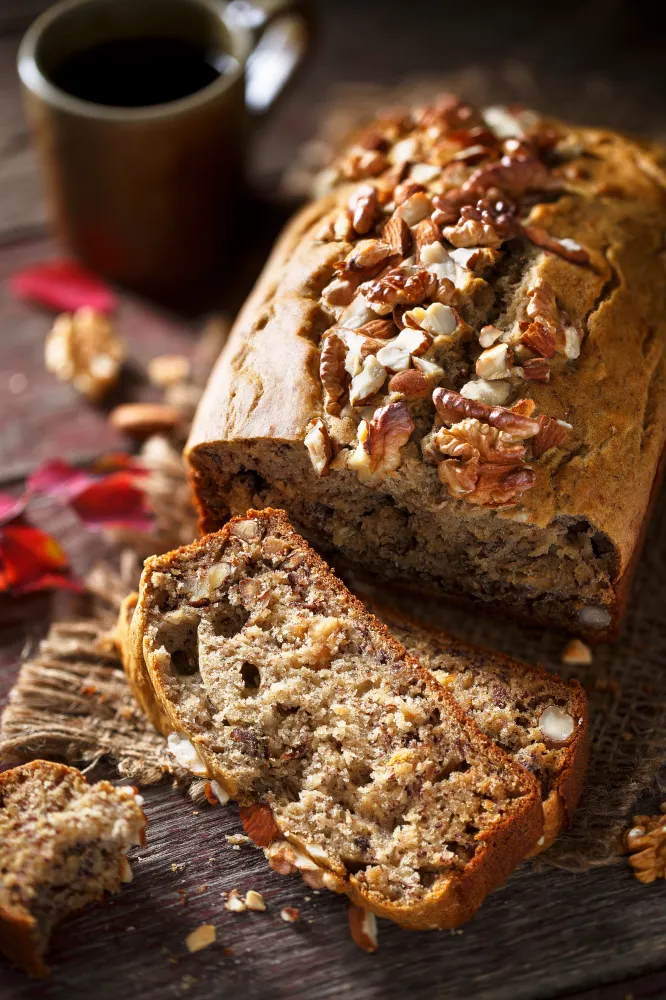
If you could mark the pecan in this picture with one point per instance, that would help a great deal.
(448, 110)
(332, 370)
(542, 302)
(364, 206)
(399, 287)
(569, 249)
(540, 338)
(366, 254)
(258, 823)
(396, 233)
(536, 370)
(452, 407)
(411, 383)
(513, 175)
(551, 434)
(381, 329)
(425, 233)
(319, 445)
(646, 842)
(479, 135)
(380, 441)
(361, 162)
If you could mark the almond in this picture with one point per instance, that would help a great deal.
(259, 824)
(145, 419)
(397, 235)
(410, 383)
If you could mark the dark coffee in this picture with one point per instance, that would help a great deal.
(140, 72)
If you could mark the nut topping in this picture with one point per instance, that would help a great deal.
(364, 206)
(536, 370)
(396, 233)
(495, 362)
(368, 381)
(380, 440)
(492, 393)
(332, 371)
(452, 407)
(319, 445)
(551, 434)
(411, 383)
(399, 287)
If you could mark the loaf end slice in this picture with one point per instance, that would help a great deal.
(62, 846)
(536, 717)
(343, 752)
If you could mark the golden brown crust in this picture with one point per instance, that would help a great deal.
(561, 801)
(133, 663)
(265, 387)
(503, 847)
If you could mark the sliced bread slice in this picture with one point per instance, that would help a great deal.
(349, 759)
(536, 717)
(62, 845)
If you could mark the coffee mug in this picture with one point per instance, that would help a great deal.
(143, 167)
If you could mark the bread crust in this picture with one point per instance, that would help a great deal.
(265, 387)
(560, 804)
(504, 846)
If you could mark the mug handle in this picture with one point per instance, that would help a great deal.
(281, 33)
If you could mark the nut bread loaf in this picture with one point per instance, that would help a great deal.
(451, 373)
(350, 761)
(63, 845)
(536, 717)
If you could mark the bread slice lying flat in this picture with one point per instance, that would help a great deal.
(62, 846)
(349, 759)
(536, 717)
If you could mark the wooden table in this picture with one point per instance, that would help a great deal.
(548, 934)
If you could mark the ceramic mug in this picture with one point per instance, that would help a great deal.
(146, 196)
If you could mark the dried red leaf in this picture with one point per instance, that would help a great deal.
(10, 507)
(108, 501)
(259, 824)
(62, 285)
(31, 560)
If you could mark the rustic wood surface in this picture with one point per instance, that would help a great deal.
(594, 936)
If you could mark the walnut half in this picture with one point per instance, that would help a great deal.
(82, 348)
(379, 442)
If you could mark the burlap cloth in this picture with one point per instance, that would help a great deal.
(70, 700)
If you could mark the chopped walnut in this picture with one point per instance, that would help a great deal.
(82, 348)
(494, 393)
(472, 233)
(319, 445)
(645, 841)
(495, 362)
(364, 207)
(368, 381)
(438, 319)
(541, 338)
(379, 442)
(536, 370)
(550, 329)
(488, 336)
(332, 371)
(490, 444)
(399, 287)
(514, 176)
(476, 258)
(495, 485)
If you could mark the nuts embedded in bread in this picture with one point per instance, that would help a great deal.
(294, 696)
(186, 755)
(594, 617)
(556, 725)
(63, 846)
(318, 442)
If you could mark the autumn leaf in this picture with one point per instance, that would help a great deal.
(62, 285)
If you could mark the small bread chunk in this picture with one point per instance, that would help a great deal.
(350, 762)
(62, 845)
(510, 702)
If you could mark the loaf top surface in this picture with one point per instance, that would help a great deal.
(477, 304)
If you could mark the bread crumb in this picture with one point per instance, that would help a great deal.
(236, 839)
(235, 903)
(290, 914)
(255, 901)
(201, 937)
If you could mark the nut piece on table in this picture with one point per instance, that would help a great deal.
(141, 420)
(168, 369)
(82, 348)
(201, 937)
